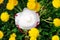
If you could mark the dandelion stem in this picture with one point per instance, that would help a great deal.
(46, 21)
(16, 9)
(41, 11)
(19, 8)
(12, 17)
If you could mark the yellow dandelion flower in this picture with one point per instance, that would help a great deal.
(15, 2)
(56, 22)
(1, 34)
(10, 1)
(10, 6)
(31, 5)
(32, 0)
(38, 6)
(12, 38)
(55, 37)
(5, 16)
(13, 35)
(34, 32)
(32, 38)
(1, 1)
(56, 3)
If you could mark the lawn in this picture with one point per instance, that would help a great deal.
(46, 28)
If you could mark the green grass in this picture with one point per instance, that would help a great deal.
(46, 28)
